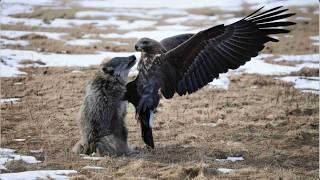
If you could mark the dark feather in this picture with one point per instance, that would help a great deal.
(265, 12)
(268, 15)
(174, 41)
(276, 24)
(221, 48)
(193, 60)
(268, 19)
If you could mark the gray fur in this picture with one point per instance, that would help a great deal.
(102, 115)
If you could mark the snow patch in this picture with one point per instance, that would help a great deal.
(19, 140)
(180, 4)
(304, 57)
(18, 83)
(10, 8)
(212, 125)
(190, 17)
(7, 155)
(9, 100)
(225, 170)
(7, 42)
(40, 174)
(156, 35)
(36, 151)
(16, 34)
(93, 168)
(316, 40)
(83, 42)
(119, 43)
(167, 11)
(76, 71)
(131, 14)
(221, 83)
(5, 151)
(13, 57)
(303, 83)
(258, 66)
(93, 158)
(173, 27)
(229, 5)
(136, 13)
(274, 3)
(2, 167)
(232, 159)
(69, 23)
(303, 18)
(31, 2)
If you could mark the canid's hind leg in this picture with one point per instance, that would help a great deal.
(111, 145)
(84, 148)
(78, 148)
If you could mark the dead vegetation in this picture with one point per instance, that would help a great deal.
(271, 125)
(307, 72)
(266, 121)
(49, 14)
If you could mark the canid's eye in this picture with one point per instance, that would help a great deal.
(145, 42)
(108, 70)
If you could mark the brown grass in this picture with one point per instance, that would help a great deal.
(306, 72)
(29, 62)
(268, 122)
(272, 126)
(49, 14)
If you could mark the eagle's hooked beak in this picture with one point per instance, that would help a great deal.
(138, 47)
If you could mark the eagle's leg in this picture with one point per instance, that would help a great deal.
(146, 120)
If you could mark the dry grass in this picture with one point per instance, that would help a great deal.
(50, 14)
(271, 124)
(30, 62)
(306, 72)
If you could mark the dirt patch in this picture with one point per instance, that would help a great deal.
(298, 41)
(271, 126)
(282, 62)
(17, 166)
(57, 46)
(32, 36)
(31, 62)
(308, 72)
(49, 14)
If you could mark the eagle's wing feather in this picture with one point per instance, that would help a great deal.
(174, 41)
(205, 55)
(216, 50)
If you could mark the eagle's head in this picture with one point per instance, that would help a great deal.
(149, 46)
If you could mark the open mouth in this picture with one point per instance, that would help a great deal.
(131, 63)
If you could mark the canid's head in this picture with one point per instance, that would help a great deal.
(118, 66)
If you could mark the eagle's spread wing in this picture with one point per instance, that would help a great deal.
(174, 41)
(216, 50)
(200, 59)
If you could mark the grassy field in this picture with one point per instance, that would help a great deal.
(268, 122)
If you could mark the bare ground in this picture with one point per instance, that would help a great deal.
(268, 122)
(272, 125)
